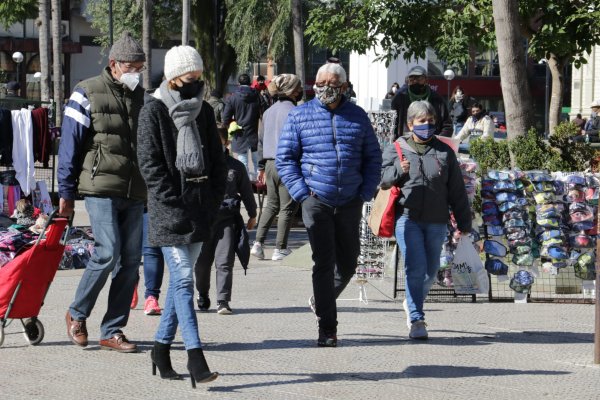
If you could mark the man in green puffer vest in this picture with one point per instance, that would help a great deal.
(97, 159)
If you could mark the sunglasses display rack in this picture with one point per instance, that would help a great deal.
(540, 231)
(372, 258)
(384, 123)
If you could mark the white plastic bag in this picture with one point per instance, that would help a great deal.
(468, 274)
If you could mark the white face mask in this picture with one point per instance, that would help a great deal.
(129, 79)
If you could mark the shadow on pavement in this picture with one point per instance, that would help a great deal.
(422, 371)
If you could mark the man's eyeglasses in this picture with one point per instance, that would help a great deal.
(130, 68)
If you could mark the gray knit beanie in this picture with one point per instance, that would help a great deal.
(127, 49)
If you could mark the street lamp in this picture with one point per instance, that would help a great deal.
(449, 75)
(546, 122)
(18, 57)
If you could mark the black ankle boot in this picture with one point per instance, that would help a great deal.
(161, 358)
(198, 368)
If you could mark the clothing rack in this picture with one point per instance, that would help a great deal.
(43, 172)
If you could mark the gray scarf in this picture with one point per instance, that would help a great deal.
(190, 159)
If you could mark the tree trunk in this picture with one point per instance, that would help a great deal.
(511, 55)
(557, 67)
(219, 58)
(147, 42)
(57, 61)
(298, 31)
(185, 22)
(43, 24)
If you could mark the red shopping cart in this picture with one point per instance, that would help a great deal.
(25, 280)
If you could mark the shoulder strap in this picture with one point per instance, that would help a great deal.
(398, 150)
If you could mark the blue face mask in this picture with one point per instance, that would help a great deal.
(424, 131)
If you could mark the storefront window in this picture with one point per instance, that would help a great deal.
(436, 67)
(486, 63)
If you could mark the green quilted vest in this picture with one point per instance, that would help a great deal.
(110, 165)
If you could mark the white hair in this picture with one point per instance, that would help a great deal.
(335, 69)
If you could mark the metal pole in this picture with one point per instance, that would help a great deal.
(546, 127)
(448, 92)
(597, 290)
(110, 22)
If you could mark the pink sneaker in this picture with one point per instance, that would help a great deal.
(151, 306)
(134, 299)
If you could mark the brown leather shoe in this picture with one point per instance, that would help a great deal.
(118, 343)
(76, 331)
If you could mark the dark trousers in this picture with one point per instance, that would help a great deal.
(333, 233)
(220, 249)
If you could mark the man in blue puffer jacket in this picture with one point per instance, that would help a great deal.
(329, 159)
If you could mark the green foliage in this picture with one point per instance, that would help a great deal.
(404, 28)
(531, 152)
(14, 11)
(490, 154)
(567, 29)
(257, 29)
(573, 156)
(128, 16)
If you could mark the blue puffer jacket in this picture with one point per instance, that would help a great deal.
(333, 154)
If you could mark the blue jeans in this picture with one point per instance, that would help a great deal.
(243, 158)
(117, 228)
(179, 305)
(154, 264)
(421, 245)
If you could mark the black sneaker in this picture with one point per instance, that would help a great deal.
(223, 308)
(327, 338)
(203, 303)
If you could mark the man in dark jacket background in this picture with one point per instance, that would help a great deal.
(417, 88)
(243, 106)
(97, 159)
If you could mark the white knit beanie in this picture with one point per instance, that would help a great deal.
(181, 60)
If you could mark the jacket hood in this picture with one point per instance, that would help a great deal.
(248, 94)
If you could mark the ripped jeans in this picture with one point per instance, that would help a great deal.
(179, 303)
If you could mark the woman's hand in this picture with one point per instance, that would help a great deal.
(405, 164)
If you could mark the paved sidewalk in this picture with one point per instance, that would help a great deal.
(267, 350)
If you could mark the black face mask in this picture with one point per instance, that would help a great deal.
(299, 96)
(417, 88)
(190, 89)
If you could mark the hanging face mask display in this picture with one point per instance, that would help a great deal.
(424, 131)
(190, 89)
(327, 94)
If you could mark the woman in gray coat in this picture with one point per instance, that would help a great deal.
(431, 183)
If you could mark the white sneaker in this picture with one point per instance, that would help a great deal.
(407, 312)
(418, 330)
(257, 251)
(280, 254)
(313, 308)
